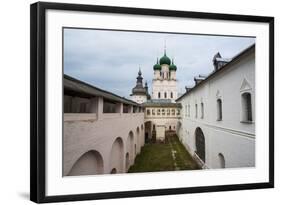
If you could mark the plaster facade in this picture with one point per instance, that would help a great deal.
(215, 108)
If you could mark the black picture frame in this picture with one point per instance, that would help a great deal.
(38, 100)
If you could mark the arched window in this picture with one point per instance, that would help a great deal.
(165, 95)
(221, 160)
(202, 110)
(148, 112)
(196, 111)
(163, 111)
(159, 95)
(172, 95)
(246, 107)
(219, 109)
(158, 111)
(200, 143)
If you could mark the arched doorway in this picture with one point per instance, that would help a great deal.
(200, 143)
(117, 155)
(130, 146)
(89, 163)
(142, 136)
(221, 160)
(147, 131)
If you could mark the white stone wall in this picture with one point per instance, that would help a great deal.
(231, 136)
(84, 132)
(163, 86)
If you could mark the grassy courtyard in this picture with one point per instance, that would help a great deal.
(168, 156)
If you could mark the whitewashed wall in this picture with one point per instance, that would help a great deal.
(83, 132)
(231, 137)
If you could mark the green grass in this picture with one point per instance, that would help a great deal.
(158, 157)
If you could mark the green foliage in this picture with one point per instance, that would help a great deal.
(159, 157)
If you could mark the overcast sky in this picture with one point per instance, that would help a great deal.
(110, 60)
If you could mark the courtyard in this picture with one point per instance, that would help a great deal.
(170, 155)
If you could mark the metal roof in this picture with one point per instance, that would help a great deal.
(161, 103)
(72, 85)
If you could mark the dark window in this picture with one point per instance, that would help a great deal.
(109, 107)
(165, 95)
(202, 110)
(148, 112)
(135, 109)
(158, 111)
(159, 95)
(196, 111)
(126, 108)
(247, 107)
(83, 107)
(67, 106)
(171, 94)
(219, 109)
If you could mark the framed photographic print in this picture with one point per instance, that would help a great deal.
(129, 102)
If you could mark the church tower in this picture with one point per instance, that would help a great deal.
(164, 83)
(140, 93)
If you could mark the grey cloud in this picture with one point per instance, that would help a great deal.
(111, 59)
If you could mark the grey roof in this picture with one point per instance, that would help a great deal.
(224, 59)
(161, 103)
(72, 85)
(214, 73)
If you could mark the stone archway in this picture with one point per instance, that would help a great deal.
(130, 147)
(89, 163)
(200, 144)
(117, 155)
(147, 131)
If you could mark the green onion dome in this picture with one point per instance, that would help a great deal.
(165, 60)
(172, 67)
(157, 66)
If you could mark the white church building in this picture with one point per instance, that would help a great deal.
(217, 124)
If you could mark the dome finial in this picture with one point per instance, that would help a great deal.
(139, 71)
